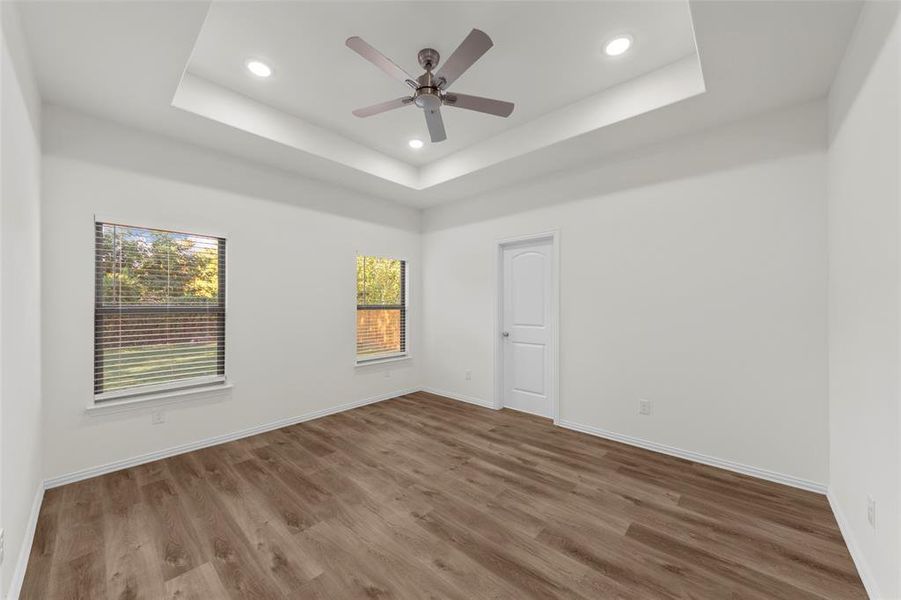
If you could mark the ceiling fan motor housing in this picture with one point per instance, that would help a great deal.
(428, 58)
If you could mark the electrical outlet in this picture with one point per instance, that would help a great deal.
(644, 407)
(158, 417)
(468, 375)
(871, 512)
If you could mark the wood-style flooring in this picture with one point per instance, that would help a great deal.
(424, 497)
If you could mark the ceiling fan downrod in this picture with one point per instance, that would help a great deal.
(427, 94)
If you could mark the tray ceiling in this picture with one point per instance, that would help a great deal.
(549, 62)
(126, 62)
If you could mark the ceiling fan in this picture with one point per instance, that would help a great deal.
(430, 89)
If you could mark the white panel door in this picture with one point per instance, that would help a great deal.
(526, 327)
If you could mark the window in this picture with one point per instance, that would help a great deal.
(381, 308)
(159, 310)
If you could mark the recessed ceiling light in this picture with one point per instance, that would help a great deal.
(415, 144)
(618, 45)
(260, 69)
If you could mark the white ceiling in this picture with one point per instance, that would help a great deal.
(543, 59)
(124, 61)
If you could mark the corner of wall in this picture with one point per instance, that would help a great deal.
(16, 46)
(21, 427)
(864, 322)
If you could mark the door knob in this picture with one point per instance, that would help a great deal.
(506, 334)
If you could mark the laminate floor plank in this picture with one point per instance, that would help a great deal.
(200, 583)
(132, 568)
(425, 497)
(820, 572)
(43, 546)
(242, 571)
(176, 543)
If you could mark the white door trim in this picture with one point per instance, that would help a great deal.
(554, 237)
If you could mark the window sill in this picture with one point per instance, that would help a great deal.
(379, 361)
(155, 399)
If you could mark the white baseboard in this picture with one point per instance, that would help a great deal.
(15, 586)
(863, 568)
(212, 441)
(697, 457)
(804, 484)
(460, 397)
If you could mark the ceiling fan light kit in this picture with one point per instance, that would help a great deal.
(430, 89)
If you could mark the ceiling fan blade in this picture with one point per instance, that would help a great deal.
(436, 124)
(378, 59)
(382, 107)
(477, 103)
(468, 52)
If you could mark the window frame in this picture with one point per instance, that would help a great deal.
(166, 389)
(404, 307)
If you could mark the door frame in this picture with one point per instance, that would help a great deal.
(497, 322)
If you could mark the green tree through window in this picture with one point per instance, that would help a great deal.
(381, 307)
(160, 308)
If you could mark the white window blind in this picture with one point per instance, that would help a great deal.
(159, 312)
(381, 308)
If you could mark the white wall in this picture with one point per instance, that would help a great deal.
(291, 244)
(694, 276)
(864, 300)
(20, 292)
(693, 273)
